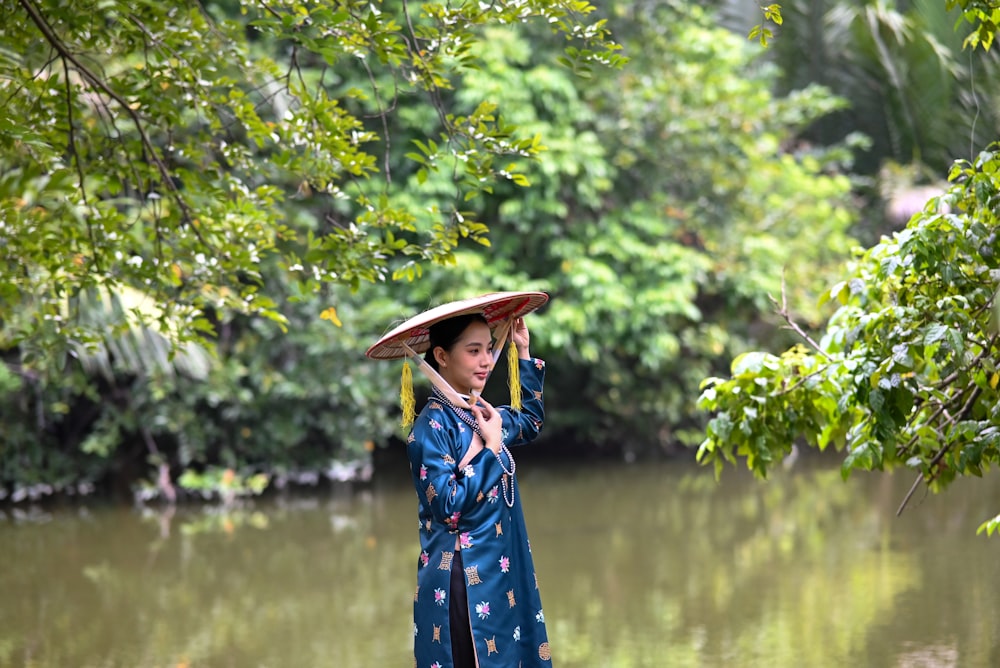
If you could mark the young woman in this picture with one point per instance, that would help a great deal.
(477, 602)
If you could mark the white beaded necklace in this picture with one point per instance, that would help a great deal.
(463, 414)
(468, 418)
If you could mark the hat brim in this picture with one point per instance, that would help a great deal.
(496, 307)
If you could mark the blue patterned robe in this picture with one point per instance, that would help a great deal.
(505, 610)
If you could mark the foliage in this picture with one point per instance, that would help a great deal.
(990, 526)
(666, 202)
(642, 221)
(669, 199)
(905, 374)
(772, 14)
(158, 152)
(912, 89)
(984, 15)
(299, 406)
(225, 484)
(217, 160)
(118, 387)
(293, 403)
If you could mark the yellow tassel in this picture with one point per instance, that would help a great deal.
(406, 398)
(513, 376)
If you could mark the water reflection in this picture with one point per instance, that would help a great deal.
(639, 566)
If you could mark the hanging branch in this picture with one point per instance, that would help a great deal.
(53, 39)
(75, 155)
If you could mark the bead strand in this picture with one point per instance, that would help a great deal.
(503, 479)
(467, 417)
(463, 415)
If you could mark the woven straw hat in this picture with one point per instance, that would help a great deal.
(499, 309)
(412, 338)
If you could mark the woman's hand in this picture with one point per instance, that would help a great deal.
(490, 424)
(522, 339)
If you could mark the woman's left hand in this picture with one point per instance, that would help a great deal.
(522, 339)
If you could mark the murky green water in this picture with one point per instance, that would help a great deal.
(651, 566)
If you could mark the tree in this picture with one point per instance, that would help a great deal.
(644, 219)
(912, 89)
(172, 174)
(156, 146)
(982, 14)
(905, 374)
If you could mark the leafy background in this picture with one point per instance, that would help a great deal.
(196, 253)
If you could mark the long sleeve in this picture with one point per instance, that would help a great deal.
(521, 427)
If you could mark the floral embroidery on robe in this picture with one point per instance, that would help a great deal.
(508, 627)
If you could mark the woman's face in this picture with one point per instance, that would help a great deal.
(467, 365)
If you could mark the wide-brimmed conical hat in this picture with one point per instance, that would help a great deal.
(497, 307)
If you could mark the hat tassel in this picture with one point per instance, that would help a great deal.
(406, 398)
(513, 376)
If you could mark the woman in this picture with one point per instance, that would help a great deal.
(477, 601)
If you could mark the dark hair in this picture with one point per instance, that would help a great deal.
(445, 333)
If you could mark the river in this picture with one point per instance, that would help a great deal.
(643, 565)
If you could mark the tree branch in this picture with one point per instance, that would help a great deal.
(383, 113)
(52, 38)
(783, 312)
(950, 378)
(940, 453)
(75, 157)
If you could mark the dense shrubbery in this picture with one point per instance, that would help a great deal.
(214, 322)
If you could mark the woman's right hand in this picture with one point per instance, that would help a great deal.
(490, 424)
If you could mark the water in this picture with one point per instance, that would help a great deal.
(639, 566)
